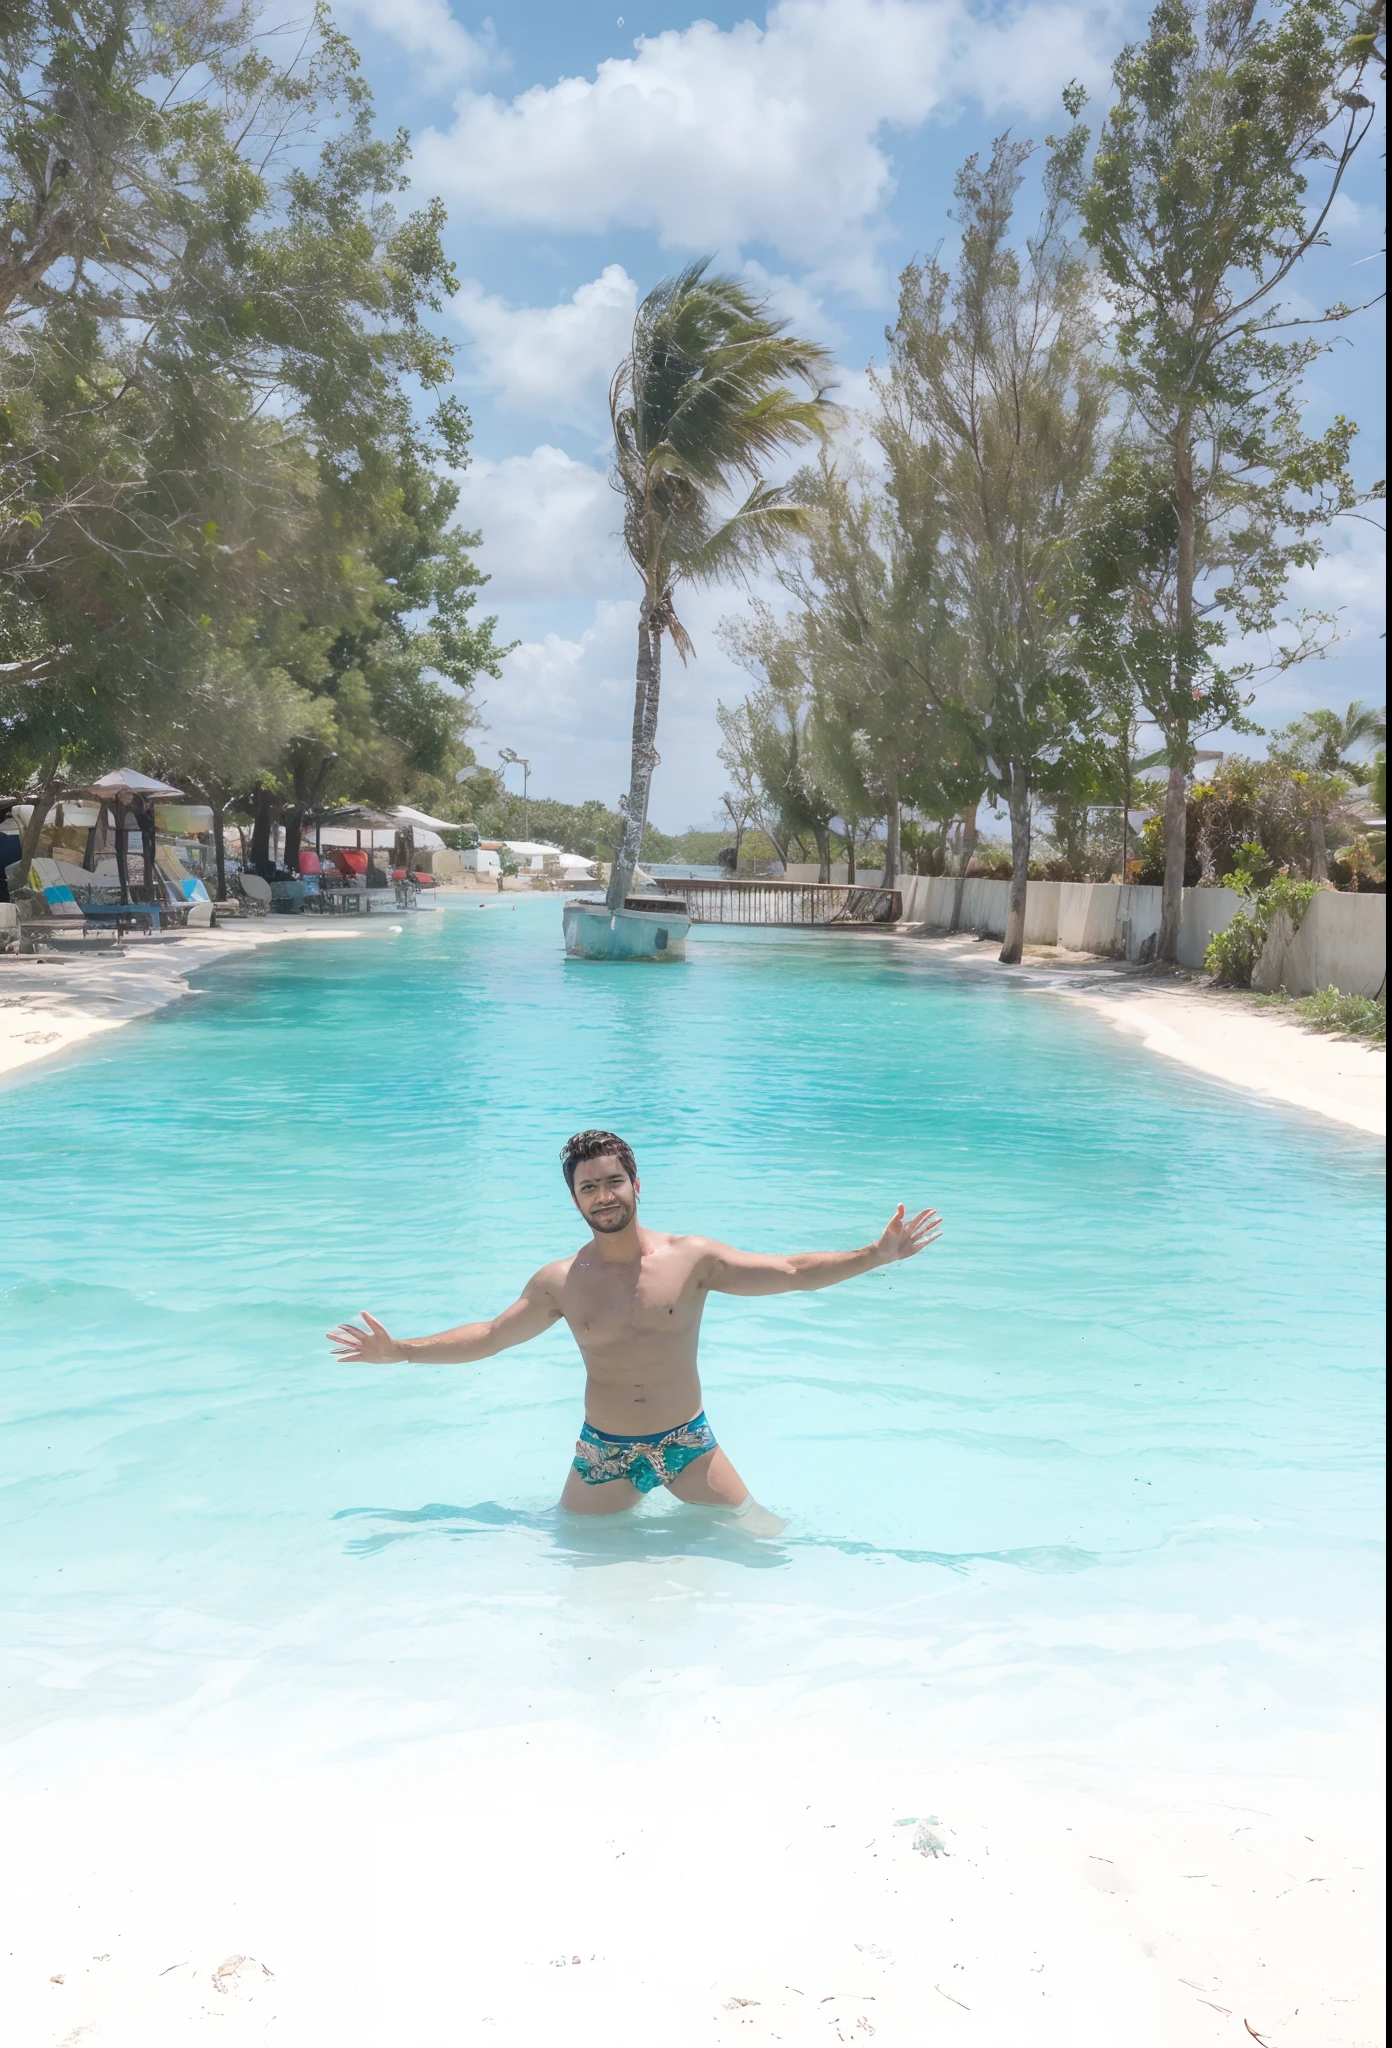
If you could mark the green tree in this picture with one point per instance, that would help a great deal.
(207, 434)
(770, 736)
(881, 646)
(1199, 210)
(701, 404)
(993, 408)
(1320, 745)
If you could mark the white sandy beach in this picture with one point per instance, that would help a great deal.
(49, 1005)
(1217, 1032)
(760, 1875)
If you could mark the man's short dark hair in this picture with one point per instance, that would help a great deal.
(592, 1145)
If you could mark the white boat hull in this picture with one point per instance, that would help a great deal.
(594, 932)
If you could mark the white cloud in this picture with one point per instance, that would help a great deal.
(549, 525)
(717, 138)
(565, 701)
(426, 30)
(552, 361)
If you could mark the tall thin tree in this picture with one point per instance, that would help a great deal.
(1199, 209)
(701, 405)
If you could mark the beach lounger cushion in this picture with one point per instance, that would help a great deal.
(49, 888)
(181, 885)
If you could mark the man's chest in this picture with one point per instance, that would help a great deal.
(602, 1304)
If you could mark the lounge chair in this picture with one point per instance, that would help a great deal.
(256, 893)
(57, 914)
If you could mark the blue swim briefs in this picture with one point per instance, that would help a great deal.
(645, 1461)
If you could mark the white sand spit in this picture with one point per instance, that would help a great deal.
(1212, 1031)
(51, 1003)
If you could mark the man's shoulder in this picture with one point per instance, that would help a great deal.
(687, 1246)
(551, 1276)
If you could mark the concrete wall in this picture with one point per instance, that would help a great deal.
(806, 871)
(1342, 943)
(1205, 912)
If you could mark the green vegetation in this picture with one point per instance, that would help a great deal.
(1064, 538)
(226, 541)
(1330, 1010)
(1233, 954)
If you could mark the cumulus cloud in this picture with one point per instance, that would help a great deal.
(549, 525)
(425, 30)
(551, 361)
(565, 701)
(720, 138)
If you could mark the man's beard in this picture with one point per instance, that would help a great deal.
(609, 1225)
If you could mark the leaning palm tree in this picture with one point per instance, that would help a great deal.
(701, 404)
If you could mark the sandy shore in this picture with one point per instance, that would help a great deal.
(50, 1004)
(1218, 1032)
(803, 1881)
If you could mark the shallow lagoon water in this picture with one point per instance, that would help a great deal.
(1107, 1457)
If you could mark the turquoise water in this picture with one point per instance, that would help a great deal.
(1110, 1450)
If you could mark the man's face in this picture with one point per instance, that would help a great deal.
(604, 1194)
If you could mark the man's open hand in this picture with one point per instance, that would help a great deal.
(902, 1236)
(372, 1346)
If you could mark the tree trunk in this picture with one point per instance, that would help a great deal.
(1012, 951)
(1172, 895)
(647, 689)
(294, 833)
(823, 838)
(146, 815)
(260, 829)
(89, 852)
(1319, 848)
(968, 848)
(38, 815)
(118, 818)
(852, 826)
(219, 848)
(891, 858)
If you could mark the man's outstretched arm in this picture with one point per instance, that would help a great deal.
(535, 1310)
(732, 1272)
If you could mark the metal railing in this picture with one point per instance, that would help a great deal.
(823, 904)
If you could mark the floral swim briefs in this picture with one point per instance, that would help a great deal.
(645, 1461)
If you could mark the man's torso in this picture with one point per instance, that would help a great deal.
(638, 1325)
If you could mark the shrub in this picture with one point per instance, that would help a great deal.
(1233, 954)
(1351, 1016)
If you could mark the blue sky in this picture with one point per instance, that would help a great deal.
(584, 150)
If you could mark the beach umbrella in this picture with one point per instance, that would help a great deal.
(406, 814)
(128, 783)
(122, 787)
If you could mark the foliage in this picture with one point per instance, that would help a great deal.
(1233, 954)
(991, 422)
(1332, 1010)
(1244, 800)
(1362, 865)
(700, 406)
(225, 544)
(772, 743)
(1197, 210)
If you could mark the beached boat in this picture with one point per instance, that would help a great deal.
(647, 928)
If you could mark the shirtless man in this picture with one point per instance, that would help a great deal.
(633, 1299)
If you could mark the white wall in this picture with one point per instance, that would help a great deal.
(1342, 943)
